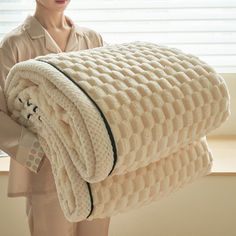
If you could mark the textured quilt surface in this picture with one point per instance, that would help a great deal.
(122, 125)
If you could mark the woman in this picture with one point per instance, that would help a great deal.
(47, 31)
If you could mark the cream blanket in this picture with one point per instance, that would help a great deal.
(122, 125)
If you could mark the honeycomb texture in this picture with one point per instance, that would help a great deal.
(122, 125)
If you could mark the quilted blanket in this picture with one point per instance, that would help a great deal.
(122, 125)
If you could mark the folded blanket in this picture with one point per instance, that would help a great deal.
(121, 125)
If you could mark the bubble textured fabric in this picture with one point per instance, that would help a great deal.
(122, 125)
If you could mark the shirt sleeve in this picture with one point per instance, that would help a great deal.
(104, 43)
(17, 141)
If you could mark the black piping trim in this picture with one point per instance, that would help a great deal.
(106, 124)
(91, 199)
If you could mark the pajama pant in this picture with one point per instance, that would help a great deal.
(45, 218)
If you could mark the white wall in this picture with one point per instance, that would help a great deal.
(204, 208)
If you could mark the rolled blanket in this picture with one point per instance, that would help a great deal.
(122, 125)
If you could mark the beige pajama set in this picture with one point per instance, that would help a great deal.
(30, 173)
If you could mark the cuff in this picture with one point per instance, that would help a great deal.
(29, 153)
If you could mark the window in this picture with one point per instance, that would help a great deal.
(204, 28)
